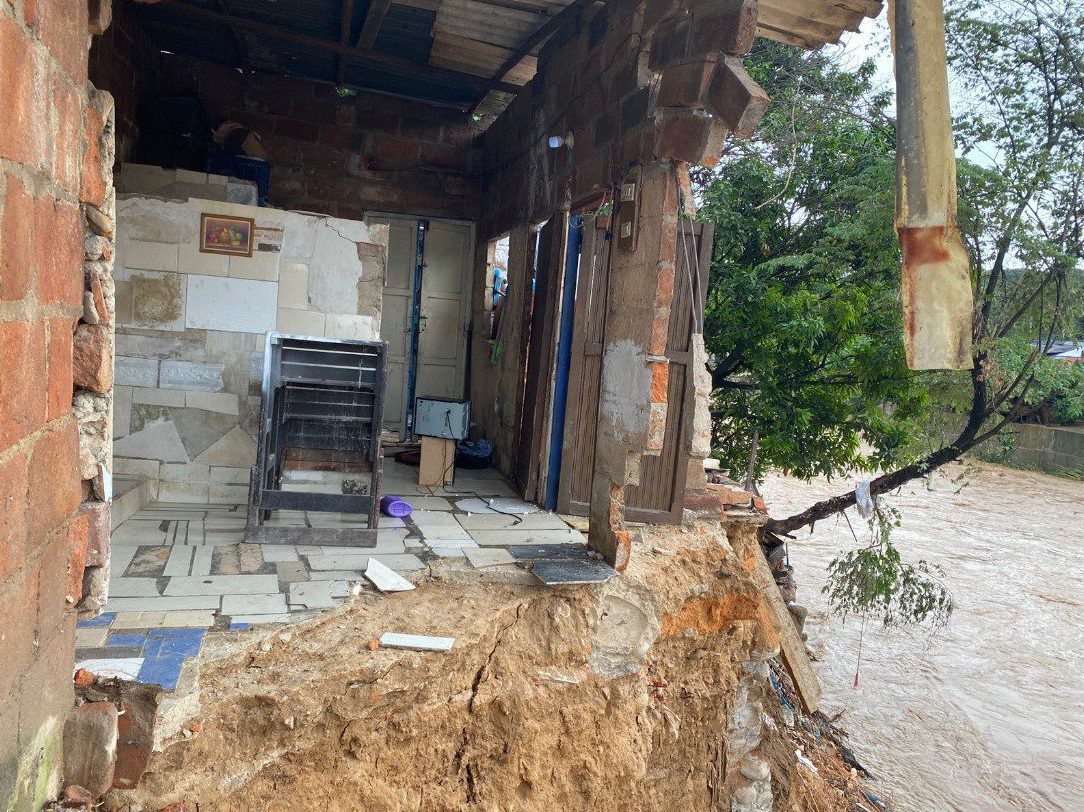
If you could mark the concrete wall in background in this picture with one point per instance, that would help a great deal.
(191, 330)
(1054, 449)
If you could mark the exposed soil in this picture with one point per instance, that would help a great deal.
(621, 696)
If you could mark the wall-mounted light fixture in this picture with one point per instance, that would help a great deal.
(558, 141)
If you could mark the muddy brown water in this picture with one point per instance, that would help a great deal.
(987, 714)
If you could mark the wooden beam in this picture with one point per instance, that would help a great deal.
(346, 21)
(380, 61)
(374, 18)
(791, 646)
(238, 43)
(540, 35)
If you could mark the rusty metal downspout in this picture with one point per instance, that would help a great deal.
(937, 293)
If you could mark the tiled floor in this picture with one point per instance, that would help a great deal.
(180, 570)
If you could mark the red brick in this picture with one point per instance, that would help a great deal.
(58, 251)
(685, 83)
(46, 692)
(735, 98)
(94, 185)
(684, 135)
(660, 333)
(729, 26)
(67, 132)
(78, 539)
(22, 348)
(12, 516)
(670, 44)
(664, 292)
(20, 108)
(396, 149)
(427, 128)
(656, 11)
(660, 382)
(16, 240)
(59, 370)
(306, 131)
(18, 624)
(340, 138)
(62, 27)
(53, 479)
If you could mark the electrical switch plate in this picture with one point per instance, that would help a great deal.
(628, 211)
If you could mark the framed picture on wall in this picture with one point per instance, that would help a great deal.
(222, 234)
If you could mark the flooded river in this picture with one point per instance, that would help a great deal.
(988, 714)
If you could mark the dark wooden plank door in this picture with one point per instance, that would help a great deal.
(540, 349)
(659, 496)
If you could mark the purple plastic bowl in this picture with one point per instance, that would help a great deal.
(395, 507)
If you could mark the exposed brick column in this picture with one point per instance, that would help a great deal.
(43, 532)
(635, 371)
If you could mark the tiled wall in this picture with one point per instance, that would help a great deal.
(191, 331)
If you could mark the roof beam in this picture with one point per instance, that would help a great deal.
(374, 18)
(238, 43)
(540, 35)
(379, 61)
(346, 21)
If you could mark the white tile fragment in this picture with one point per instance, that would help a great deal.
(416, 642)
(386, 579)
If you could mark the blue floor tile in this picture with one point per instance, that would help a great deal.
(238, 627)
(125, 639)
(99, 622)
(159, 643)
(164, 670)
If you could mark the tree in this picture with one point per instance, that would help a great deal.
(802, 313)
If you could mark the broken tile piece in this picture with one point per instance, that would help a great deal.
(386, 579)
(320, 594)
(416, 642)
(253, 604)
(122, 668)
(481, 557)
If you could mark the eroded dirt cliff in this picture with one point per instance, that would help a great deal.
(647, 692)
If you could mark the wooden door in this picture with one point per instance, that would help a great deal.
(395, 314)
(581, 415)
(541, 338)
(445, 310)
(659, 496)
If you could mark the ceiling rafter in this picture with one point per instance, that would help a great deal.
(374, 18)
(346, 21)
(365, 58)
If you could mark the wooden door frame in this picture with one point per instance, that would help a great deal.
(673, 514)
(533, 439)
(599, 230)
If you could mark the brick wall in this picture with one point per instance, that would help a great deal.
(53, 146)
(645, 88)
(332, 155)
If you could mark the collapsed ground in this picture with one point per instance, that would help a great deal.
(651, 687)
